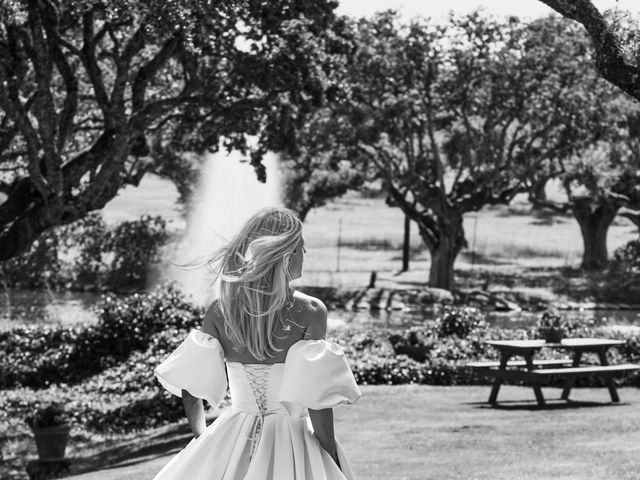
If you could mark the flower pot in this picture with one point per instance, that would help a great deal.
(416, 352)
(52, 442)
(554, 335)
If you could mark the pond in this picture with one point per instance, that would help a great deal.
(38, 307)
(32, 307)
(509, 320)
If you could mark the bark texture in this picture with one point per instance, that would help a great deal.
(594, 224)
(610, 59)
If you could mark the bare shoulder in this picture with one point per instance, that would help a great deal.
(311, 313)
(213, 320)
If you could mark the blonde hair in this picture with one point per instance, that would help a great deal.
(254, 275)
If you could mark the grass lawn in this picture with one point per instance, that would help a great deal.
(415, 432)
(424, 433)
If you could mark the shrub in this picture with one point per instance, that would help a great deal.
(42, 355)
(135, 246)
(460, 321)
(48, 415)
(38, 267)
(120, 393)
(624, 269)
(118, 259)
(89, 236)
(551, 323)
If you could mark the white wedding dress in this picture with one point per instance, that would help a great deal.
(266, 433)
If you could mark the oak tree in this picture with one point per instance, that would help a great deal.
(599, 176)
(454, 117)
(88, 87)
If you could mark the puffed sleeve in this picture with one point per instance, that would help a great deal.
(316, 375)
(197, 366)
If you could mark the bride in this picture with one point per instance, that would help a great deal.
(283, 376)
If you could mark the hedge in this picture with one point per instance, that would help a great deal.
(104, 372)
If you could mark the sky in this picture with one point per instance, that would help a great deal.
(439, 9)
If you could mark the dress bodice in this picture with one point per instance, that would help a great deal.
(314, 375)
(255, 388)
(265, 435)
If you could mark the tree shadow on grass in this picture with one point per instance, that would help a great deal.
(135, 451)
(552, 404)
(413, 283)
(481, 259)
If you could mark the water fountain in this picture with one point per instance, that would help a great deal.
(227, 196)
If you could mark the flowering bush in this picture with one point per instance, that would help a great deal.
(624, 269)
(552, 326)
(121, 394)
(460, 321)
(49, 415)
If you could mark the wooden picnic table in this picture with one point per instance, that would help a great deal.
(537, 372)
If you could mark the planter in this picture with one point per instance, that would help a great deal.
(417, 352)
(554, 335)
(52, 442)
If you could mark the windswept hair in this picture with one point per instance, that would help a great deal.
(253, 270)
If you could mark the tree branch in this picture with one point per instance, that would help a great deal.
(65, 121)
(45, 111)
(93, 70)
(133, 46)
(609, 55)
(146, 72)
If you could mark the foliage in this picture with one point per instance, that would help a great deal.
(615, 42)
(41, 356)
(90, 237)
(124, 395)
(116, 259)
(551, 321)
(135, 248)
(312, 180)
(624, 270)
(455, 116)
(38, 267)
(89, 85)
(600, 180)
(603, 177)
(49, 415)
(460, 322)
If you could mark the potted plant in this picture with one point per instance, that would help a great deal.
(414, 343)
(50, 424)
(553, 327)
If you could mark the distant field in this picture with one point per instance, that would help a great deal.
(370, 235)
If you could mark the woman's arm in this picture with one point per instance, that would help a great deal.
(192, 405)
(322, 421)
(195, 413)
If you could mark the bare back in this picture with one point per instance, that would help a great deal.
(305, 320)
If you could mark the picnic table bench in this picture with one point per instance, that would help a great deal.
(536, 372)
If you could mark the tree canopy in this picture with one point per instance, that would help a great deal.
(453, 117)
(95, 93)
(617, 50)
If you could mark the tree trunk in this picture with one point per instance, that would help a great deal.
(406, 245)
(539, 192)
(444, 250)
(594, 225)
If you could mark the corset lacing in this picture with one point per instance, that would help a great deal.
(258, 376)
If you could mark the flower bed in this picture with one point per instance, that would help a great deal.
(111, 387)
